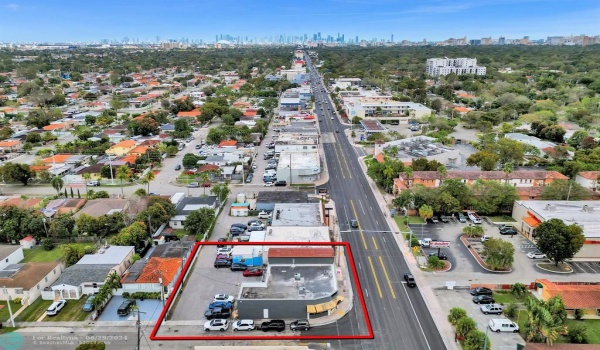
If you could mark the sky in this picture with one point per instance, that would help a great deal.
(414, 20)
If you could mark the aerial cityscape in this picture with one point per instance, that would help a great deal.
(337, 175)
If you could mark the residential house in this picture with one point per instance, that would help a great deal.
(584, 296)
(27, 281)
(193, 114)
(10, 255)
(188, 204)
(588, 179)
(7, 146)
(149, 275)
(63, 206)
(94, 170)
(104, 206)
(121, 148)
(27, 242)
(21, 203)
(90, 273)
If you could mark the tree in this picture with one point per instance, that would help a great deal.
(476, 340)
(62, 226)
(16, 172)
(72, 253)
(57, 183)
(545, 319)
(123, 173)
(131, 235)
(490, 197)
(221, 190)
(205, 179)
(518, 289)
(198, 221)
(190, 160)
(171, 151)
(557, 240)
(456, 313)
(485, 160)
(564, 190)
(144, 127)
(33, 137)
(499, 254)
(182, 129)
(148, 176)
(425, 212)
(464, 326)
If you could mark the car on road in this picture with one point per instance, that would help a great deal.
(244, 325)
(224, 250)
(217, 324)
(93, 183)
(281, 183)
(238, 267)
(536, 255)
(302, 325)
(222, 263)
(221, 304)
(491, 309)
(410, 280)
(481, 291)
(193, 185)
(268, 184)
(263, 215)
(483, 299)
(273, 325)
(353, 223)
(223, 297)
(198, 146)
(440, 256)
(217, 312)
(461, 217)
(55, 308)
(444, 218)
(252, 272)
(89, 304)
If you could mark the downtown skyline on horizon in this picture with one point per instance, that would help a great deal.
(151, 21)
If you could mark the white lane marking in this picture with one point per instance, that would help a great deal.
(363, 208)
(417, 317)
(366, 293)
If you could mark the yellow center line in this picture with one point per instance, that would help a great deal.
(362, 235)
(387, 277)
(339, 162)
(375, 277)
(374, 242)
(345, 161)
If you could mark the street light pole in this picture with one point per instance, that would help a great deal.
(12, 320)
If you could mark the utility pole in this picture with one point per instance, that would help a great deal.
(139, 327)
(12, 320)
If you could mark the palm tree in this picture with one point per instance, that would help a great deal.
(442, 172)
(57, 183)
(149, 176)
(508, 168)
(204, 180)
(123, 173)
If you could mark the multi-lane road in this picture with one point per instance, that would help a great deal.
(399, 315)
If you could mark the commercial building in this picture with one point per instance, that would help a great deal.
(529, 214)
(299, 167)
(458, 66)
(266, 200)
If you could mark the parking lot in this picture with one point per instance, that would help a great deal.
(150, 310)
(585, 266)
(462, 299)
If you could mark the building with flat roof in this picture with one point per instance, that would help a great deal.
(423, 147)
(458, 66)
(266, 200)
(529, 214)
(298, 214)
(297, 234)
(384, 108)
(298, 167)
(186, 205)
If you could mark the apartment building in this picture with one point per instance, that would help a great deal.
(445, 66)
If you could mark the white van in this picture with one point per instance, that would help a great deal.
(474, 217)
(503, 325)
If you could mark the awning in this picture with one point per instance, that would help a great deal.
(531, 221)
(319, 308)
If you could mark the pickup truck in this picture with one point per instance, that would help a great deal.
(425, 242)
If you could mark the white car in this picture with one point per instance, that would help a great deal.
(218, 324)
(268, 184)
(223, 297)
(264, 215)
(243, 325)
(536, 255)
(56, 307)
(224, 250)
(485, 238)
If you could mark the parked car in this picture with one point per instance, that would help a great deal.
(353, 223)
(244, 325)
(444, 218)
(441, 255)
(221, 240)
(222, 263)
(268, 184)
(461, 217)
(485, 238)
(217, 312)
(264, 215)
(255, 228)
(217, 324)
(55, 307)
(235, 230)
(89, 304)
(491, 309)
(93, 183)
(193, 185)
(240, 225)
(483, 299)
(125, 307)
(474, 217)
(249, 178)
(221, 304)
(434, 219)
(252, 272)
(238, 267)
(281, 183)
(224, 250)
(481, 291)
(223, 257)
(509, 231)
(273, 325)
(198, 146)
(503, 325)
(302, 325)
(410, 280)
(258, 222)
(178, 167)
(223, 297)
(536, 255)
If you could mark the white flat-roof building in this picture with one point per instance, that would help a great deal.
(458, 66)
(529, 214)
(297, 167)
(384, 108)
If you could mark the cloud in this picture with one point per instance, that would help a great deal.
(12, 7)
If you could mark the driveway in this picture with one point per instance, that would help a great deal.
(149, 310)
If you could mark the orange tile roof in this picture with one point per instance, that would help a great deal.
(379, 157)
(193, 113)
(57, 158)
(55, 126)
(9, 143)
(18, 202)
(125, 144)
(228, 143)
(39, 167)
(464, 95)
(129, 159)
(183, 98)
(250, 113)
(399, 184)
(462, 109)
(575, 295)
(590, 175)
(139, 150)
(165, 268)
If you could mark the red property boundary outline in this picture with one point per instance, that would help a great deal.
(358, 289)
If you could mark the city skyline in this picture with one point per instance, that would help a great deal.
(154, 21)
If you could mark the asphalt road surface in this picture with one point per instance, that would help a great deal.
(398, 314)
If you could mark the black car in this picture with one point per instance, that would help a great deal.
(235, 230)
(353, 223)
(177, 167)
(281, 183)
(238, 267)
(221, 240)
(222, 263)
(481, 291)
(441, 256)
(217, 312)
(508, 231)
(410, 280)
(483, 299)
(240, 225)
(273, 325)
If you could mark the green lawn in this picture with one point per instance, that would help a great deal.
(502, 218)
(39, 254)
(415, 220)
(593, 329)
(71, 312)
(4, 314)
(507, 298)
(400, 222)
(34, 311)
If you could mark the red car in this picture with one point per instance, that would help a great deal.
(252, 272)
(205, 184)
(223, 256)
